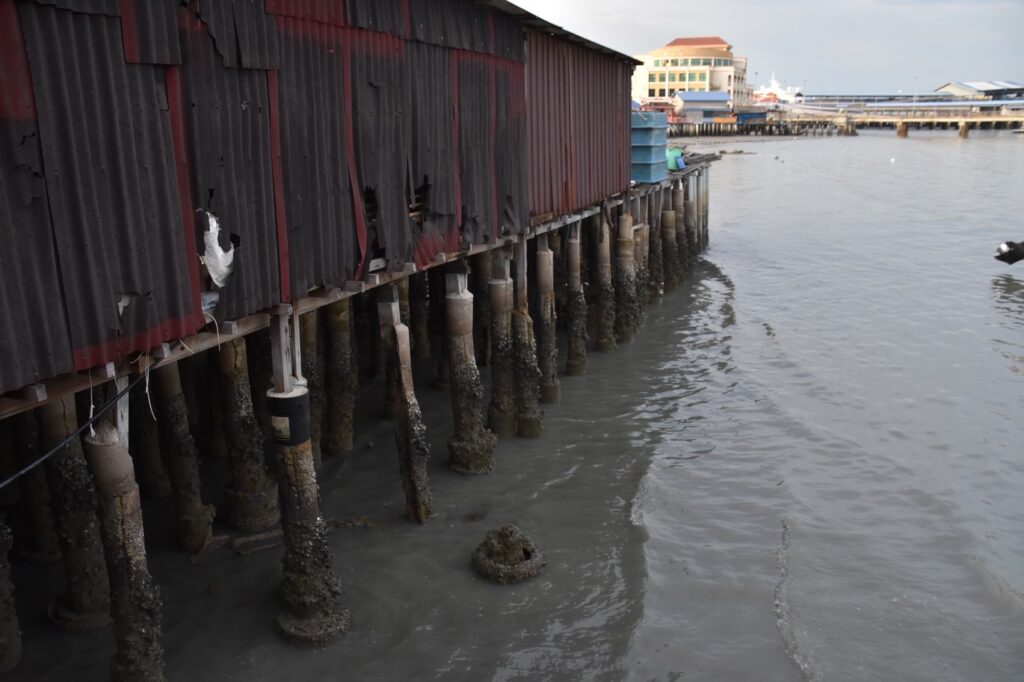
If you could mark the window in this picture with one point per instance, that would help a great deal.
(693, 76)
(651, 77)
(650, 93)
(671, 78)
(706, 62)
(703, 77)
(674, 62)
(661, 78)
(657, 62)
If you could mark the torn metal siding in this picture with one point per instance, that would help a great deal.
(150, 31)
(381, 116)
(476, 147)
(433, 150)
(510, 146)
(384, 16)
(227, 123)
(243, 32)
(33, 324)
(318, 195)
(465, 26)
(107, 151)
(330, 12)
(578, 125)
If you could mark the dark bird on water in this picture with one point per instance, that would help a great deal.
(1010, 252)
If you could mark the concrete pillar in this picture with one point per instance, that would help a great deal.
(547, 321)
(627, 305)
(41, 545)
(656, 261)
(309, 334)
(311, 611)
(641, 251)
(251, 496)
(705, 185)
(963, 129)
(257, 351)
(410, 431)
(670, 249)
(86, 604)
(529, 417)
(181, 458)
(471, 447)
(135, 599)
(10, 630)
(683, 205)
(605, 301)
(576, 306)
(480, 274)
(144, 444)
(419, 331)
(340, 378)
(437, 321)
(501, 413)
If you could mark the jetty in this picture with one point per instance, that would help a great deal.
(446, 181)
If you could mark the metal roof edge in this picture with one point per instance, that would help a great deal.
(537, 23)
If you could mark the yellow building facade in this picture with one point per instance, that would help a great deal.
(686, 64)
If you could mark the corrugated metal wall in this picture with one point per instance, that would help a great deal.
(309, 127)
(579, 103)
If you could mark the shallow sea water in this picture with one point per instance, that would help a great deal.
(807, 466)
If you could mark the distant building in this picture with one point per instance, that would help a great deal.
(704, 64)
(983, 89)
(696, 106)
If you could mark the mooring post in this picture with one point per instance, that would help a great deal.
(641, 252)
(683, 207)
(529, 417)
(471, 447)
(656, 258)
(705, 202)
(501, 413)
(480, 275)
(135, 599)
(902, 129)
(312, 613)
(251, 496)
(437, 321)
(86, 605)
(627, 306)
(10, 630)
(182, 459)
(410, 431)
(42, 544)
(144, 445)
(339, 380)
(669, 242)
(547, 321)
(419, 330)
(605, 300)
(309, 335)
(963, 129)
(576, 307)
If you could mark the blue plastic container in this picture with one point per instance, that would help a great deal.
(647, 154)
(649, 172)
(648, 119)
(648, 136)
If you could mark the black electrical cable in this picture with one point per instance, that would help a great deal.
(92, 420)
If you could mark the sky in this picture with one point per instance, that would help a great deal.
(821, 46)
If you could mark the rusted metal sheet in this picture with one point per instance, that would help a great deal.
(108, 153)
(322, 245)
(228, 132)
(578, 124)
(33, 322)
(321, 133)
